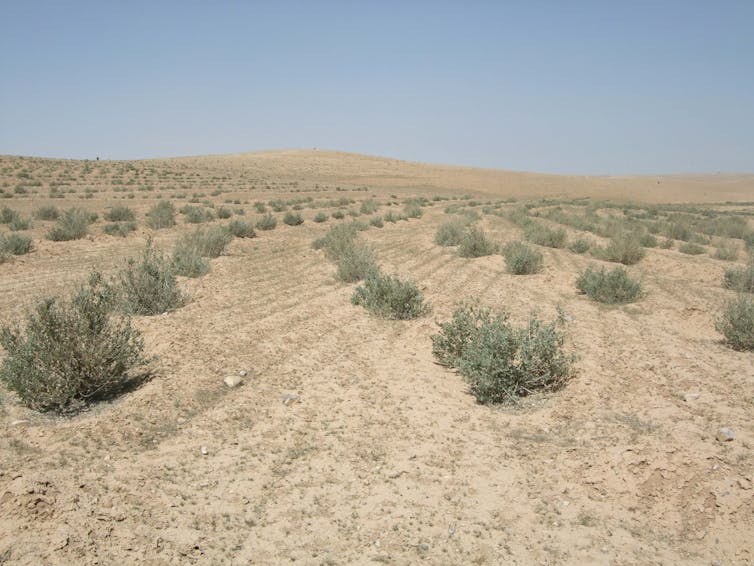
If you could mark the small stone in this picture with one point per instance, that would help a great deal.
(424, 547)
(204, 451)
(290, 398)
(688, 397)
(243, 373)
(724, 435)
(233, 381)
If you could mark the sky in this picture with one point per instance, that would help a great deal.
(601, 87)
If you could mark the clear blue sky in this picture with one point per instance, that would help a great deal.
(564, 86)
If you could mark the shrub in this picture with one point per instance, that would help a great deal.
(241, 229)
(15, 244)
(260, 207)
(7, 215)
(355, 262)
(337, 240)
(726, 251)
(390, 217)
(338, 215)
(210, 242)
(19, 223)
(474, 243)
(390, 297)
(521, 259)
(667, 244)
(736, 323)
(187, 260)
(121, 229)
(369, 206)
(691, 248)
(413, 210)
(740, 279)
(647, 240)
(580, 246)
(72, 352)
(224, 212)
(293, 219)
(376, 221)
(611, 287)
(161, 215)
(451, 233)
(749, 241)
(542, 235)
(320, 217)
(267, 222)
(73, 224)
(499, 362)
(120, 214)
(149, 286)
(47, 213)
(623, 248)
(196, 214)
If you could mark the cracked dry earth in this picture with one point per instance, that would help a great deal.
(385, 457)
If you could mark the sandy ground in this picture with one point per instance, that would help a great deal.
(385, 457)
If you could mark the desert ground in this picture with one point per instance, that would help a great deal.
(346, 443)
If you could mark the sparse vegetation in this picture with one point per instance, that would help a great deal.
(161, 216)
(499, 362)
(187, 259)
(71, 352)
(120, 214)
(522, 259)
(736, 323)
(542, 235)
(293, 219)
(451, 233)
(691, 248)
(15, 244)
(474, 243)
(267, 222)
(73, 224)
(47, 213)
(320, 217)
(580, 246)
(121, 229)
(241, 229)
(389, 296)
(613, 287)
(740, 278)
(623, 248)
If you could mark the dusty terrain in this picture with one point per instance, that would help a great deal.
(385, 457)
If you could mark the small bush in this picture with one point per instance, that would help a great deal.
(338, 240)
(7, 215)
(580, 246)
(369, 206)
(224, 212)
(691, 248)
(542, 235)
(47, 213)
(267, 222)
(499, 362)
(355, 262)
(120, 214)
(210, 242)
(614, 287)
(338, 215)
(73, 224)
(740, 279)
(161, 215)
(474, 243)
(320, 217)
(647, 240)
(726, 251)
(667, 244)
(196, 214)
(72, 352)
(260, 207)
(19, 223)
(121, 229)
(736, 323)
(413, 210)
(293, 219)
(521, 259)
(451, 233)
(623, 248)
(149, 286)
(390, 297)
(376, 221)
(15, 244)
(390, 217)
(241, 229)
(749, 241)
(187, 259)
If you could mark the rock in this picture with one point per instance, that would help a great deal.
(243, 373)
(688, 397)
(290, 398)
(19, 422)
(204, 451)
(724, 435)
(233, 380)
(744, 483)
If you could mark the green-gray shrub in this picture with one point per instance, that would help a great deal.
(726, 251)
(121, 229)
(224, 212)
(149, 286)
(580, 246)
(19, 223)
(474, 243)
(241, 229)
(15, 244)
(623, 248)
(293, 219)
(369, 206)
(740, 279)
(7, 215)
(120, 214)
(522, 259)
(376, 221)
(451, 233)
(187, 259)
(413, 210)
(320, 217)
(71, 352)
(196, 214)
(73, 224)
(690, 248)
(47, 213)
(499, 362)
(736, 323)
(542, 235)
(355, 262)
(612, 287)
(267, 222)
(161, 215)
(209, 242)
(390, 297)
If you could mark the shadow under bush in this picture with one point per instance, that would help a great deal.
(72, 353)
